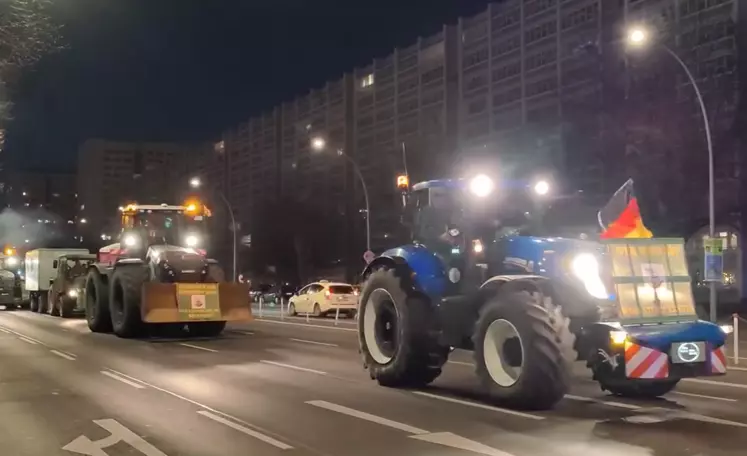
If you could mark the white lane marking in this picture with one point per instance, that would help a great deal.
(123, 380)
(193, 402)
(703, 396)
(23, 336)
(478, 405)
(264, 320)
(460, 443)
(735, 368)
(118, 433)
(69, 356)
(714, 382)
(199, 348)
(367, 416)
(5, 331)
(603, 402)
(246, 430)
(28, 341)
(245, 333)
(291, 366)
(304, 341)
(461, 363)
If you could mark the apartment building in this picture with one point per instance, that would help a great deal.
(533, 84)
(111, 173)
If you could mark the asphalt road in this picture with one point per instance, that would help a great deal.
(294, 387)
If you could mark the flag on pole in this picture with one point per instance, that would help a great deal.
(621, 216)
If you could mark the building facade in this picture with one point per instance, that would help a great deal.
(112, 173)
(547, 85)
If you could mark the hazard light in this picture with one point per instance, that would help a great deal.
(403, 182)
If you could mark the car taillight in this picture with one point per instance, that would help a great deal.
(327, 294)
(355, 292)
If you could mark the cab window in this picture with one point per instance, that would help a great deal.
(316, 288)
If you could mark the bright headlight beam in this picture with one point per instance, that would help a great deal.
(130, 240)
(73, 293)
(481, 186)
(585, 266)
(192, 240)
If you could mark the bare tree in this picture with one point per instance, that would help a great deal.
(27, 33)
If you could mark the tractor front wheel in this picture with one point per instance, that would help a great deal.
(124, 300)
(397, 333)
(523, 350)
(97, 303)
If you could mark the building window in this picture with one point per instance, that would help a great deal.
(367, 81)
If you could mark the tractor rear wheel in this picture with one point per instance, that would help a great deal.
(124, 300)
(97, 303)
(397, 333)
(523, 350)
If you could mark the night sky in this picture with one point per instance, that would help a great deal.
(187, 69)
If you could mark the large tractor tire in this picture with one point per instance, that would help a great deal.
(97, 303)
(125, 295)
(397, 333)
(523, 350)
(206, 328)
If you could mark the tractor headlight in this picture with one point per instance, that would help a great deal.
(130, 240)
(481, 186)
(72, 293)
(585, 267)
(192, 240)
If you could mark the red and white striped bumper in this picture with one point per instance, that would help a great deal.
(646, 363)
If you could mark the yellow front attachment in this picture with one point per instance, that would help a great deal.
(186, 302)
(651, 280)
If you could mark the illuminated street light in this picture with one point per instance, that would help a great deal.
(195, 182)
(481, 186)
(318, 143)
(83, 221)
(542, 188)
(638, 37)
(25, 194)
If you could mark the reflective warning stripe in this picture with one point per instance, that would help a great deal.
(718, 361)
(645, 362)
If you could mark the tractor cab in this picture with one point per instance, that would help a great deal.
(144, 226)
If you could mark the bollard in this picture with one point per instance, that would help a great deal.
(735, 333)
(337, 314)
(282, 312)
(260, 307)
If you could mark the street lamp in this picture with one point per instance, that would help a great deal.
(196, 182)
(318, 143)
(639, 37)
(83, 221)
(542, 188)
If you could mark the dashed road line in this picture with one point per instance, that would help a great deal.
(122, 379)
(703, 396)
(291, 366)
(478, 405)
(245, 430)
(308, 325)
(232, 418)
(367, 417)
(68, 356)
(28, 341)
(603, 402)
(715, 383)
(245, 333)
(304, 341)
(199, 348)
(5, 331)
(461, 363)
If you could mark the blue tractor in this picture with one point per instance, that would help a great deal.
(486, 272)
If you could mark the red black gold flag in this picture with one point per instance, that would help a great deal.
(621, 216)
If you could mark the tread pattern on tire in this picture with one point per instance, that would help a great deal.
(548, 349)
(419, 358)
(100, 321)
(130, 279)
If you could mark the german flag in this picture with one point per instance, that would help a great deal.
(621, 216)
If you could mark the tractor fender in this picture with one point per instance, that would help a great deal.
(102, 268)
(424, 269)
(128, 262)
(524, 281)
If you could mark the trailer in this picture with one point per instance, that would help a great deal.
(41, 270)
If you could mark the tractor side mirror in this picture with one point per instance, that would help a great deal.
(55, 263)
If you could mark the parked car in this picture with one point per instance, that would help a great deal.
(321, 298)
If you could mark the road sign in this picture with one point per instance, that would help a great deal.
(714, 260)
(247, 240)
(368, 256)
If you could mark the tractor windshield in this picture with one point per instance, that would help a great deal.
(170, 227)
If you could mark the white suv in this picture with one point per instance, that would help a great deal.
(321, 298)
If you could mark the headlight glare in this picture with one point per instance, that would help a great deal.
(72, 293)
(585, 267)
(130, 240)
(192, 240)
